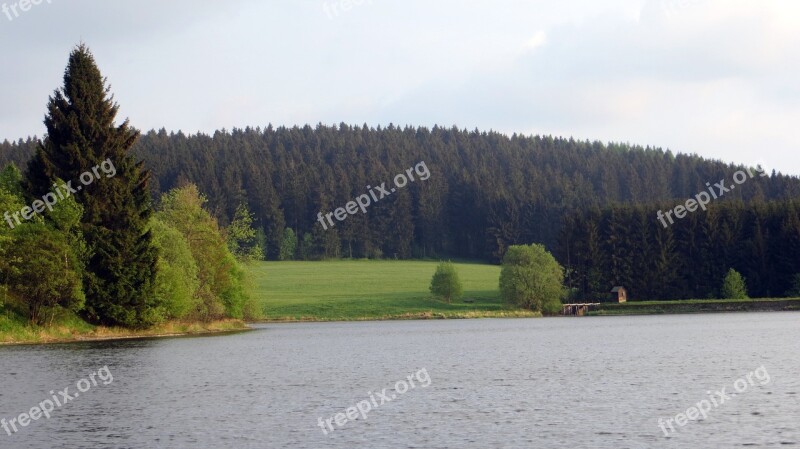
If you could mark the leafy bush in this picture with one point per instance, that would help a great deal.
(445, 282)
(39, 249)
(733, 286)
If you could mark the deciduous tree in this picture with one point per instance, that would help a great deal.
(531, 278)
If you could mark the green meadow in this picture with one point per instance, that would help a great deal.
(372, 290)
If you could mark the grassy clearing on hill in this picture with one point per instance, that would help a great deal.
(372, 290)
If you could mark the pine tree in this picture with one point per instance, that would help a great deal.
(82, 138)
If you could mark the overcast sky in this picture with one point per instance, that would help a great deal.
(717, 78)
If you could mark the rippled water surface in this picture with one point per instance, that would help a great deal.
(521, 383)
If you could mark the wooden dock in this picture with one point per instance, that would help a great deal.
(578, 309)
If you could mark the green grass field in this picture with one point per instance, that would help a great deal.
(372, 289)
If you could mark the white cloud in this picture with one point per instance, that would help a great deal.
(538, 40)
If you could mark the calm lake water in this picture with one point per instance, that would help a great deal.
(522, 383)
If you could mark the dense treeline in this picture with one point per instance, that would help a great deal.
(486, 190)
(629, 246)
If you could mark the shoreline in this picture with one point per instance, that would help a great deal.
(697, 306)
(226, 327)
(411, 316)
(644, 308)
(168, 330)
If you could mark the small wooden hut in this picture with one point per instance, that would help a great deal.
(618, 294)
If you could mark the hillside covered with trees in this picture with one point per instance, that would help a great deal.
(486, 191)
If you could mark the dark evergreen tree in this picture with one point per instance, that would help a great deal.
(82, 138)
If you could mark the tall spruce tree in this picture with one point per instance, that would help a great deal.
(82, 135)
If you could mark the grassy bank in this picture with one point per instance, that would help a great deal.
(350, 290)
(15, 329)
(341, 290)
(698, 306)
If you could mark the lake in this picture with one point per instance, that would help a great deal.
(592, 382)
